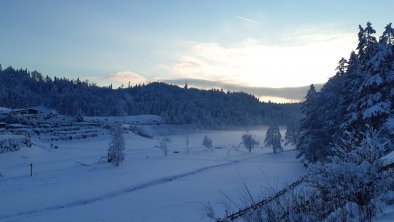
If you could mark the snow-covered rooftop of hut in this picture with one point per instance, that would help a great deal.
(5, 110)
(142, 119)
(44, 109)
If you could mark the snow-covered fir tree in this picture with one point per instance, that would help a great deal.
(310, 139)
(116, 150)
(163, 144)
(273, 138)
(291, 134)
(358, 97)
(79, 116)
(207, 143)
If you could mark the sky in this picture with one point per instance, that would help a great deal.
(242, 45)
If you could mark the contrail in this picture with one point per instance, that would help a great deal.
(246, 19)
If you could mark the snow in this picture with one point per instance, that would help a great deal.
(45, 110)
(379, 108)
(389, 158)
(138, 119)
(5, 110)
(390, 123)
(69, 183)
(387, 215)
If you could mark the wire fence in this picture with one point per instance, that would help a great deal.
(261, 203)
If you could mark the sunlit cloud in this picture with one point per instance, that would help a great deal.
(251, 62)
(126, 77)
(119, 78)
(277, 99)
(279, 95)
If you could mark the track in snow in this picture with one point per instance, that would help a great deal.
(130, 189)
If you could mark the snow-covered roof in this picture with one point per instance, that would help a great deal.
(142, 119)
(44, 109)
(5, 110)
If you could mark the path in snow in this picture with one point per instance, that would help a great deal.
(133, 188)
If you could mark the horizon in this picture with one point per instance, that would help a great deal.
(281, 95)
(236, 45)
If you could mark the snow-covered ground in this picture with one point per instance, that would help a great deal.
(69, 183)
(387, 215)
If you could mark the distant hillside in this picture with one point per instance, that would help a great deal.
(21, 88)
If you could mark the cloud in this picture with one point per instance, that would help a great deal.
(246, 19)
(124, 77)
(252, 62)
(119, 78)
(285, 94)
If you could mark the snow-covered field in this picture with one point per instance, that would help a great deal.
(69, 183)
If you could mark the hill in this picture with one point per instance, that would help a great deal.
(210, 108)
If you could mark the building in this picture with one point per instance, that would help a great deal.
(28, 111)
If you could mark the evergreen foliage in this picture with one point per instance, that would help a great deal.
(349, 187)
(177, 105)
(79, 116)
(273, 138)
(116, 150)
(207, 142)
(291, 134)
(359, 97)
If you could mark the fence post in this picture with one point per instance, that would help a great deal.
(31, 169)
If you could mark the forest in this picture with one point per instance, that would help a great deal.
(355, 102)
(177, 105)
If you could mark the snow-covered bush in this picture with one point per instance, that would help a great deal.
(354, 177)
(11, 143)
(296, 205)
(207, 142)
(116, 146)
(139, 130)
(163, 142)
(249, 141)
(351, 186)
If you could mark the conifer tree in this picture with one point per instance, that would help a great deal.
(310, 127)
(116, 150)
(291, 134)
(358, 98)
(273, 138)
(207, 142)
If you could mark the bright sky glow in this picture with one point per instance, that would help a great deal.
(258, 43)
(253, 63)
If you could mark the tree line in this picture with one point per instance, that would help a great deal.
(20, 88)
